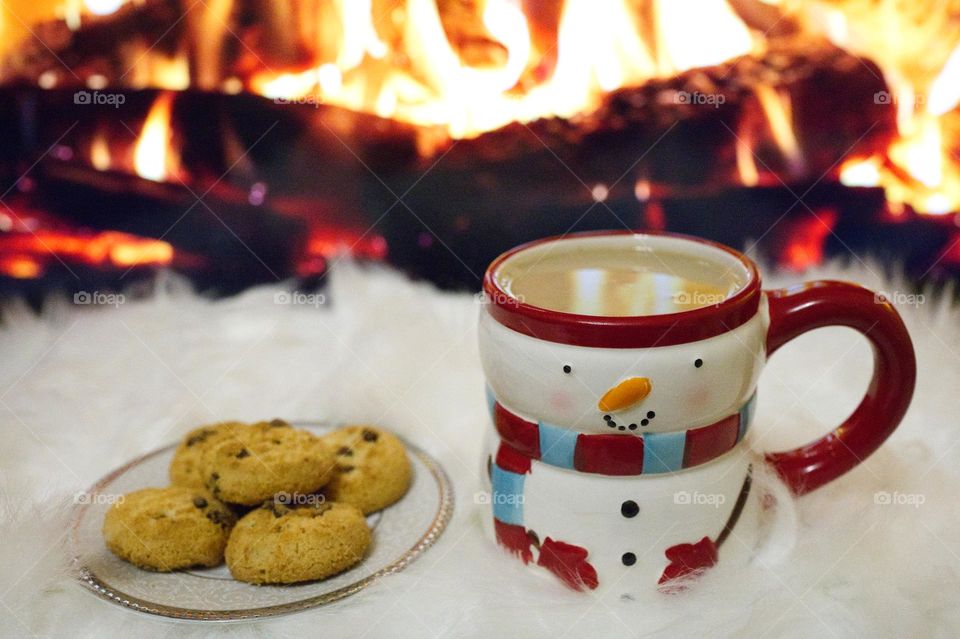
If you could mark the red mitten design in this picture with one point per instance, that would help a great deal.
(515, 539)
(689, 558)
(569, 563)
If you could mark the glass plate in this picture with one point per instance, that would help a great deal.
(401, 533)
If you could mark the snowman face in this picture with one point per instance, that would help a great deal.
(629, 390)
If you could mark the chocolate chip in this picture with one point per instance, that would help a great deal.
(345, 451)
(369, 435)
(199, 502)
(199, 437)
(219, 517)
(243, 453)
(278, 423)
(345, 469)
(212, 484)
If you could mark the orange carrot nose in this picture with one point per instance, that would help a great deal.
(625, 394)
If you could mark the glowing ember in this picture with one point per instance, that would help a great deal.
(154, 157)
(20, 267)
(25, 255)
(805, 244)
(326, 243)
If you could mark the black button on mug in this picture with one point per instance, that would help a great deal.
(629, 508)
(628, 559)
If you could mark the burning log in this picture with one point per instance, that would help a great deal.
(264, 190)
(104, 46)
(796, 113)
(789, 113)
(790, 116)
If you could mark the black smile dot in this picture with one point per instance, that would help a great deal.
(567, 368)
(633, 427)
(629, 509)
(651, 414)
(644, 422)
(611, 425)
(698, 363)
(607, 418)
(628, 559)
(621, 428)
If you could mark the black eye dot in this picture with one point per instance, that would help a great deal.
(651, 415)
(698, 363)
(567, 368)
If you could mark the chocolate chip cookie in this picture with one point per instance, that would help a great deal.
(186, 469)
(372, 469)
(267, 458)
(277, 544)
(168, 529)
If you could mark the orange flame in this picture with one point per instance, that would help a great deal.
(100, 152)
(780, 120)
(154, 157)
(420, 76)
(921, 65)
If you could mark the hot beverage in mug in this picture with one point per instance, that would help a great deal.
(621, 377)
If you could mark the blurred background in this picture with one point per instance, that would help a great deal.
(241, 142)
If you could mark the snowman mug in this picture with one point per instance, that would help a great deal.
(621, 374)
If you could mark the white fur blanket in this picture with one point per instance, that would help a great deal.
(85, 388)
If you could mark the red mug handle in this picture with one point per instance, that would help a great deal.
(796, 310)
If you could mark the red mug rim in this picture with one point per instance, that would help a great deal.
(641, 331)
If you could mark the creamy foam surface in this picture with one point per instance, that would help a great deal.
(617, 279)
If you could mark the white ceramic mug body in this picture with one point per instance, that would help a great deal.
(626, 524)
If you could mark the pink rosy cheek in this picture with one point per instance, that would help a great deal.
(699, 397)
(561, 401)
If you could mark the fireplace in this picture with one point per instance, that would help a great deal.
(248, 141)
